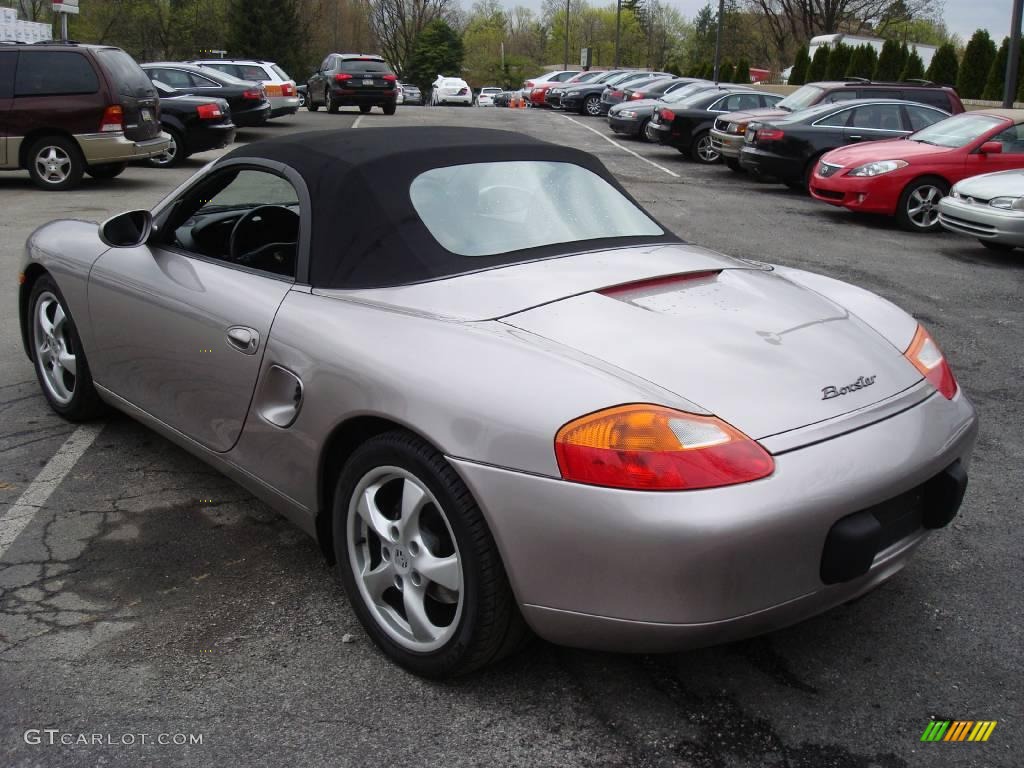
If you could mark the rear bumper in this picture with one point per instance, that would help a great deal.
(627, 127)
(283, 105)
(643, 571)
(763, 163)
(727, 144)
(252, 116)
(348, 98)
(982, 221)
(210, 137)
(100, 148)
(454, 99)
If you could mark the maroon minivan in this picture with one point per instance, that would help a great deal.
(68, 109)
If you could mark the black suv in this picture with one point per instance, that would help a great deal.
(68, 109)
(352, 80)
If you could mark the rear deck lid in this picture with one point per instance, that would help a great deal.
(135, 93)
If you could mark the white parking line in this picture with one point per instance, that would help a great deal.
(34, 497)
(614, 143)
(355, 123)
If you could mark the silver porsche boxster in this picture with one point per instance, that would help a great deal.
(505, 398)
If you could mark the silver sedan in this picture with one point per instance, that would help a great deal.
(989, 207)
(503, 397)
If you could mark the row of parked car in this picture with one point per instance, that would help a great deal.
(903, 149)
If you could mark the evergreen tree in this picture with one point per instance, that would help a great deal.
(914, 68)
(838, 62)
(818, 64)
(266, 29)
(862, 62)
(944, 66)
(974, 66)
(997, 73)
(438, 51)
(798, 75)
(725, 71)
(904, 58)
(889, 62)
(742, 72)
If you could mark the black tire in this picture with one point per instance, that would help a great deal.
(733, 164)
(701, 150)
(997, 247)
(329, 102)
(176, 153)
(106, 171)
(591, 106)
(311, 105)
(62, 149)
(365, 108)
(914, 194)
(302, 98)
(390, 108)
(642, 134)
(490, 626)
(84, 403)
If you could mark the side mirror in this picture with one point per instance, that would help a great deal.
(127, 230)
(992, 148)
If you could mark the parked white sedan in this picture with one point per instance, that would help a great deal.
(451, 90)
(486, 96)
(989, 207)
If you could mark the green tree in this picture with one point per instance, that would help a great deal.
(266, 29)
(438, 51)
(997, 73)
(914, 68)
(975, 64)
(944, 67)
(838, 62)
(862, 62)
(798, 75)
(889, 62)
(742, 73)
(819, 64)
(725, 72)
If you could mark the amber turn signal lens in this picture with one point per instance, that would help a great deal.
(925, 355)
(651, 447)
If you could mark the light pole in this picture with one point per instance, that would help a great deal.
(1012, 63)
(618, 20)
(718, 37)
(566, 64)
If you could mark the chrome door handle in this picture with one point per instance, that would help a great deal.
(245, 340)
(856, 138)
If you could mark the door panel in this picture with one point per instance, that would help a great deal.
(161, 322)
(8, 60)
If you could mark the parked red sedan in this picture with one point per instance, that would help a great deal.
(907, 177)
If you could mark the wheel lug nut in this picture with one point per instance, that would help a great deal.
(394, 532)
(414, 548)
(415, 578)
(385, 553)
(398, 581)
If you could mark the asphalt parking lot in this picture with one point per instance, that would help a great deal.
(148, 594)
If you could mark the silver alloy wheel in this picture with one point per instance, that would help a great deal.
(302, 99)
(53, 164)
(55, 354)
(923, 206)
(168, 156)
(593, 106)
(327, 99)
(706, 150)
(405, 559)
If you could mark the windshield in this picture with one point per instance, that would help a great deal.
(483, 209)
(957, 131)
(801, 98)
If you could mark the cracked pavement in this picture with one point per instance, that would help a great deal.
(150, 594)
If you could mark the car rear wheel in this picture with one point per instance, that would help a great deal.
(60, 364)
(918, 208)
(733, 164)
(311, 104)
(106, 171)
(418, 562)
(998, 247)
(390, 109)
(592, 106)
(364, 108)
(702, 150)
(55, 163)
(329, 102)
(175, 153)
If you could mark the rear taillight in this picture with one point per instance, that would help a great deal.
(209, 111)
(770, 134)
(253, 93)
(925, 355)
(113, 119)
(667, 115)
(390, 78)
(342, 77)
(287, 89)
(650, 447)
(528, 84)
(637, 95)
(616, 94)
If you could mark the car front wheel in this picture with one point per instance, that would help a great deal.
(592, 106)
(418, 562)
(918, 208)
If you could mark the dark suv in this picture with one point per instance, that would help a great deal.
(68, 109)
(728, 132)
(352, 80)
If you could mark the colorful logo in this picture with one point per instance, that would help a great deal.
(958, 730)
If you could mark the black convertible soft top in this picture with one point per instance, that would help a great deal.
(366, 232)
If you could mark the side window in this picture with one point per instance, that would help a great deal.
(933, 97)
(878, 117)
(172, 77)
(247, 218)
(200, 81)
(846, 94)
(770, 100)
(54, 73)
(922, 117)
(8, 60)
(839, 119)
(252, 72)
(325, 65)
(741, 101)
(227, 69)
(879, 93)
(1012, 140)
(720, 105)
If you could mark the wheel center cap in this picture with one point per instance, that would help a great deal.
(401, 560)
